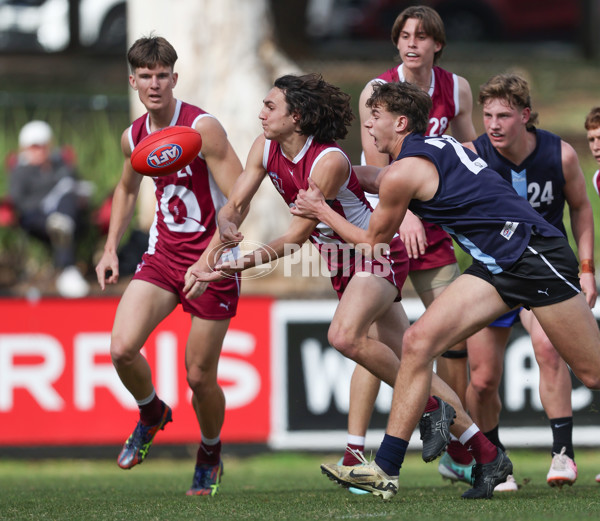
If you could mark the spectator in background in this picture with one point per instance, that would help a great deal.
(50, 202)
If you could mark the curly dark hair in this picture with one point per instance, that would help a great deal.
(324, 110)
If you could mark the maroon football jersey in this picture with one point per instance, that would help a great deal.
(290, 175)
(187, 201)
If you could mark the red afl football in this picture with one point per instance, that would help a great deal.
(166, 151)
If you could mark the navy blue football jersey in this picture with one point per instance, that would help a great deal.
(474, 204)
(539, 178)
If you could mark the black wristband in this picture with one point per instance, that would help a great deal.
(459, 353)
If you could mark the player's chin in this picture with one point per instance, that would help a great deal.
(268, 134)
(379, 148)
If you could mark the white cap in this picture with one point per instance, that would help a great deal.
(35, 133)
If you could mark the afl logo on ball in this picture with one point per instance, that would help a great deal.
(164, 155)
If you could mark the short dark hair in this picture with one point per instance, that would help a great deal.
(511, 88)
(404, 99)
(592, 120)
(430, 23)
(150, 51)
(324, 110)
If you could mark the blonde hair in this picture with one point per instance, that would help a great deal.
(513, 89)
(592, 120)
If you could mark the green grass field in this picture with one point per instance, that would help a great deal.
(279, 486)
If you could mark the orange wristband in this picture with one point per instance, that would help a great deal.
(587, 266)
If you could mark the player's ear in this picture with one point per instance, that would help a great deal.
(175, 78)
(401, 123)
(132, 82)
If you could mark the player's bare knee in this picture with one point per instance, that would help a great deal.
(483, 386)
(199, 379)
(415, 347)
(121, 354)
(196, 383)
(342, 340)
(590, 379)
(546, 355)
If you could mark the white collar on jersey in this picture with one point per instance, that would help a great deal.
(431, 87)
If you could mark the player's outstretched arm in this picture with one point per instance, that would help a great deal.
(230, 218)
(226, 169)
(412, 230)
(122, 209)
(234, 212)
(582, 217)
(367, 176)
(402, 181)
(194, 286)
(298, 232)
(311, 203)
(331, 171)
